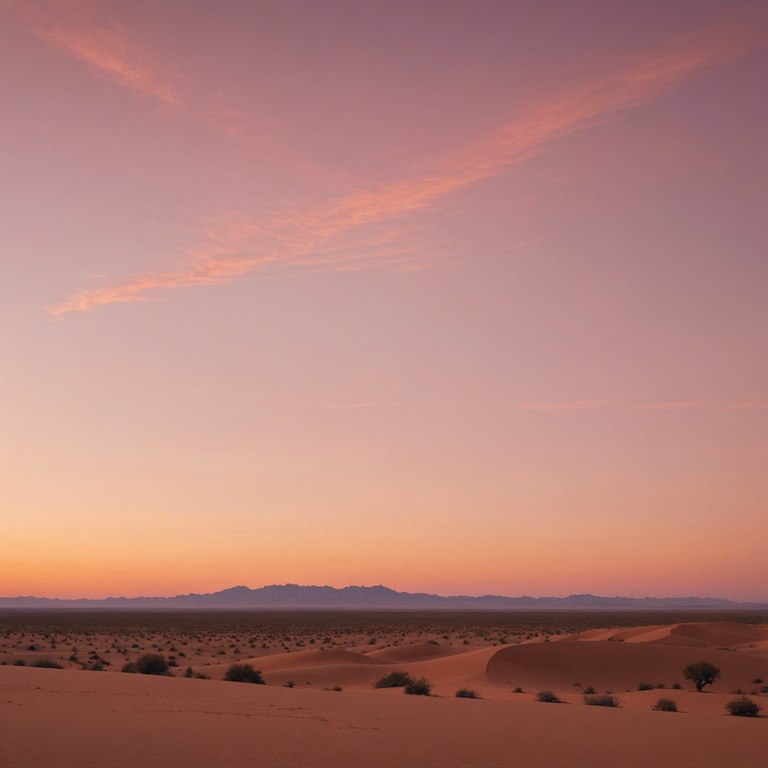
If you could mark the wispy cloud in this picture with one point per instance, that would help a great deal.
(104, 48)
(351, 406)
(672, 405)
(565, 405)
(323, 238)
(625, 404)
(747, 405)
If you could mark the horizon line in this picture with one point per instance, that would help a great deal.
(399, 592)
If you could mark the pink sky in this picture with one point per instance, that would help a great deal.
(452, 296)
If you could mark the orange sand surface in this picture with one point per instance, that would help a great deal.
(68, 719)
(72, 717)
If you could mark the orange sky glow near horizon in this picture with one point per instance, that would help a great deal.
(453, 297)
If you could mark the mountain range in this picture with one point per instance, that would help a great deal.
(279, 596)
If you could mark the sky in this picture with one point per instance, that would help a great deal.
(459, 297)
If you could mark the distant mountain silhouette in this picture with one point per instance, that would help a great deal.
(279, 596)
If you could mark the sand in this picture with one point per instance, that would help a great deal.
(63, 718)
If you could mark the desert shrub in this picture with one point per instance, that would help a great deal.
(701, 673)
(337, 688)
(743, 707)
(644, 687)
(152, 664)
(289, 684)
(677, 686)
(601, 700)
(129, 666)
(548, 697)
(467, 693)
(394, 680)
(19, 663)
(46, 664)
(666, 705)
(418, 687)
(243, 673)
(189, 672)
(757, 680)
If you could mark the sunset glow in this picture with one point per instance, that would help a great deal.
(457, 298)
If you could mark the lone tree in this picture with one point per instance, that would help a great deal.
(701, 673)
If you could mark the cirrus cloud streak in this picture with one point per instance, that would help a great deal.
(351, 231)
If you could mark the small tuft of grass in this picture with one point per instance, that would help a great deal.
(394, 680)
(601, 700)
(418, 687)
(743, 707)
(45, 664)
(548, 697)
(665, 705)
(467, 693)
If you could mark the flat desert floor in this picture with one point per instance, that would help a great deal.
(331, 715)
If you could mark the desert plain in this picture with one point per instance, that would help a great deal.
(64, 701)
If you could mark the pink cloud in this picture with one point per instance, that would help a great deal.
(672, 405)
(747, 405)
(323, 238)
(105, 49)
(565, 405)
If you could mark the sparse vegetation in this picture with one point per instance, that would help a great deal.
(394, 680)
(45, 664)
(644, 687)
(665, 705)
(152, 664)
(418, 687)
(548, 697)
(701, 673)
(743, 707)
(243, 673)
(467, 693)
(601, 700)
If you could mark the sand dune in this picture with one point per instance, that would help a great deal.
(615, 666)
(720, 634)
(704, 634)
(71, 719)
(90, 719)
(330, 657)
(415, 652)
(618, 662)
